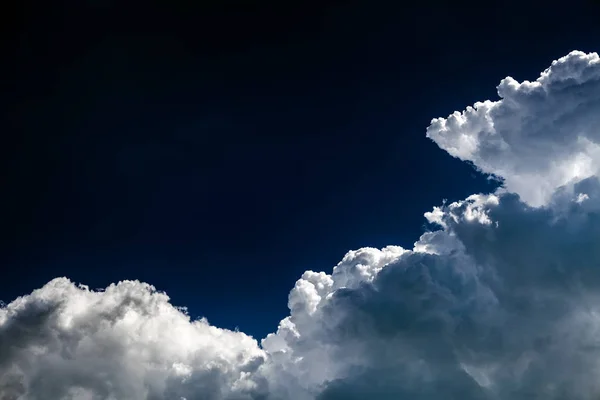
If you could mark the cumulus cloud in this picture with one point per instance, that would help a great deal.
(127, 342)
(539, 136)
(500, 300)
(503, 302)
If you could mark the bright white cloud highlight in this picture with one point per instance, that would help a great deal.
(501, 302)
(540, 135)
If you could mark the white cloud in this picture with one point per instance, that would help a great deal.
(502, 302)
(65, 341)
(540, 135)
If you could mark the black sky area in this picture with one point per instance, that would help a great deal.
(218, 149)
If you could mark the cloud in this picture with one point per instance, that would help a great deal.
(502, 303)
(66, 342)
(500, 300)
(539, 136)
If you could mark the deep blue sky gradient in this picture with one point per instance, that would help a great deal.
(218, 151)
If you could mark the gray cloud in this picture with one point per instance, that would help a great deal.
(512, 312)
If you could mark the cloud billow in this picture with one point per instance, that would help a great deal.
(500, 301)
(539, 136)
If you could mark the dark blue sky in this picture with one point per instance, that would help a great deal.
(218, 151)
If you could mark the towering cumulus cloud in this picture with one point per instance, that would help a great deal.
(500, 301)
(539, 136)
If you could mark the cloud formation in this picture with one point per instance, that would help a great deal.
(500, 301)
(127, 342)
(539, 136)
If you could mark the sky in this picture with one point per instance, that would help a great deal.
(231, 155)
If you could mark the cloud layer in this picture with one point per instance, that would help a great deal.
(500, 301)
